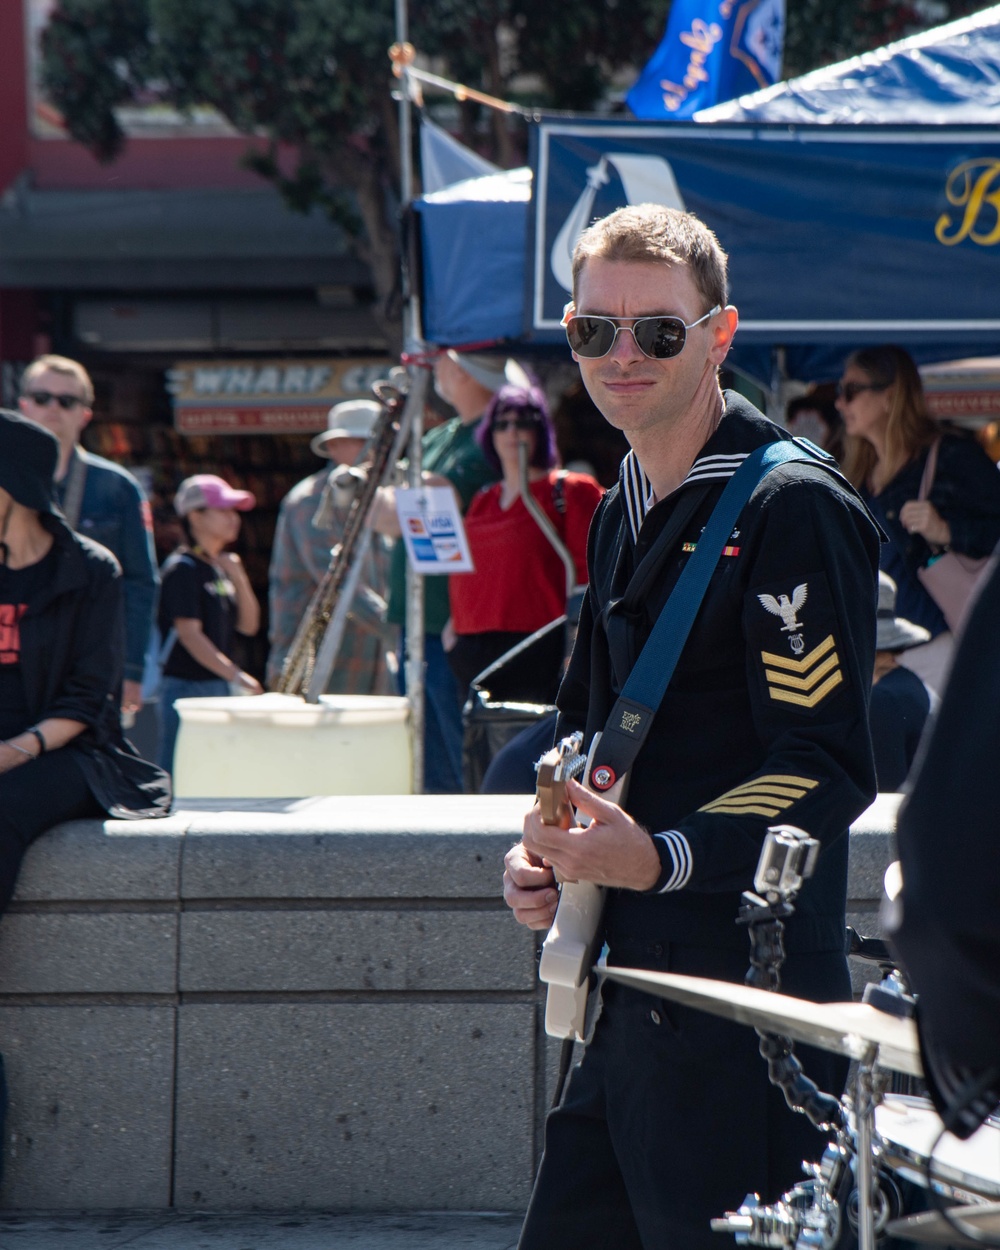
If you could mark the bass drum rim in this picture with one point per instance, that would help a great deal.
(901, 1114)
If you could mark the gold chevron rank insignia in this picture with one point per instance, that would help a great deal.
(805, 682)
(763, 796)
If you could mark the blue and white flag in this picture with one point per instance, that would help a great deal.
(713, 50)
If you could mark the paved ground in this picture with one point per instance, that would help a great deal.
(293, 1231)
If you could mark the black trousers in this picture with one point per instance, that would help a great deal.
(34, 797)
(669, 1119)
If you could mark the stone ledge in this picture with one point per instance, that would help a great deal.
(256, 1005)
(342, 847)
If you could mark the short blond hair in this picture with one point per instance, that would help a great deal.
(644, 233)
(60, 364)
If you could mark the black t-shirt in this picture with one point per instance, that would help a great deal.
(18, 587)
(194, 589)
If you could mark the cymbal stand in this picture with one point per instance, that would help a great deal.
(865, 1098)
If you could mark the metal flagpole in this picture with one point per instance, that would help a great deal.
(402, 56)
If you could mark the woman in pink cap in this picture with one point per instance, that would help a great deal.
(205, 600)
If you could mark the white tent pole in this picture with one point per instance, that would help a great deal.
(402, 56)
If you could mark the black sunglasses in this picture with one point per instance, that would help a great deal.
(659, 338)
(44, 398)
(517, 423)
(848, 391)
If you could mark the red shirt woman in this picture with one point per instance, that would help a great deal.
(520, 581)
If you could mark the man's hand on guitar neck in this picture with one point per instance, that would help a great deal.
(612, 850)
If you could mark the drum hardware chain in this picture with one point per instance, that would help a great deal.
(787, 859)
(811, 1215)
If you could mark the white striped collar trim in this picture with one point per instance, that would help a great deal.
(638, 493)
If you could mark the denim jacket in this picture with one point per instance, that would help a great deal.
(115, 512)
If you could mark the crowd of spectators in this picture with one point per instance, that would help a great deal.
(526, 520)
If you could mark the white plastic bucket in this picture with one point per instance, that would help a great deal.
(279, 746)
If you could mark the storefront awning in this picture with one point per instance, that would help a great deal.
(169, 240)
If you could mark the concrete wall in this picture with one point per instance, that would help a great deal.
(278, 1004)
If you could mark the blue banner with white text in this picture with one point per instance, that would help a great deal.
(714, 50)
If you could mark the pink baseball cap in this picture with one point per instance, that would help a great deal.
(205, 490)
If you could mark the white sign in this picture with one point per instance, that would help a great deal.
(432, 530)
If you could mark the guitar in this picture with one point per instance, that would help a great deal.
(572, 943)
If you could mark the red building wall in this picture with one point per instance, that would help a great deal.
(60, 164)
(13, 93)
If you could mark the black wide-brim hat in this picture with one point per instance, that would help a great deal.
(28, 458)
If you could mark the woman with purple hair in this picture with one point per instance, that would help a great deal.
(519, 583)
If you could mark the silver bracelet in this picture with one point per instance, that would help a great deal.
(14, 747)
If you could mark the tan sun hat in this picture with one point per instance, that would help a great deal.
(353, 418)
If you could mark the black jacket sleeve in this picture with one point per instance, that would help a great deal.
(947, 924)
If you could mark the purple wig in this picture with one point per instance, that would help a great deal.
(520, 402)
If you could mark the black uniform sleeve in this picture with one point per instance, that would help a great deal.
(808, 620)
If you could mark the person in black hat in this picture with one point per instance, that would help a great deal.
(900, 701)
(62, 754)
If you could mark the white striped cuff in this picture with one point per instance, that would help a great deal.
(680, 855)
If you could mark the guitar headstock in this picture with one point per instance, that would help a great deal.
(554, 769)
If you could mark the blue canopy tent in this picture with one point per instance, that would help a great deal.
(838, 234)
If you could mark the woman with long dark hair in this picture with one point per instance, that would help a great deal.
(889, 437)
(519, 583)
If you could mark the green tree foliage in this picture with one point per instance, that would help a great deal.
(309, 77)
(312, 77)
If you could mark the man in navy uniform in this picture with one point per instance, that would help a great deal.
(669, 1119)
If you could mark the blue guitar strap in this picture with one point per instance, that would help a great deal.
(632, 715)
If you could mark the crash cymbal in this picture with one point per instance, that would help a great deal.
(930, 1228)
(844, 1028)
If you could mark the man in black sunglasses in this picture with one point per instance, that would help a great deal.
(669, 1120)
(100, 500)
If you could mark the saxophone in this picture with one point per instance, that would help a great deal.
(313, 652)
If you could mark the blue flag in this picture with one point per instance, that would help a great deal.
(713, 50)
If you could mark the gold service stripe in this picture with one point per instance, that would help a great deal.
(802, 700)
(798, 666)
(803, 683)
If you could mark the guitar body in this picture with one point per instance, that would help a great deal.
(571, 945)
